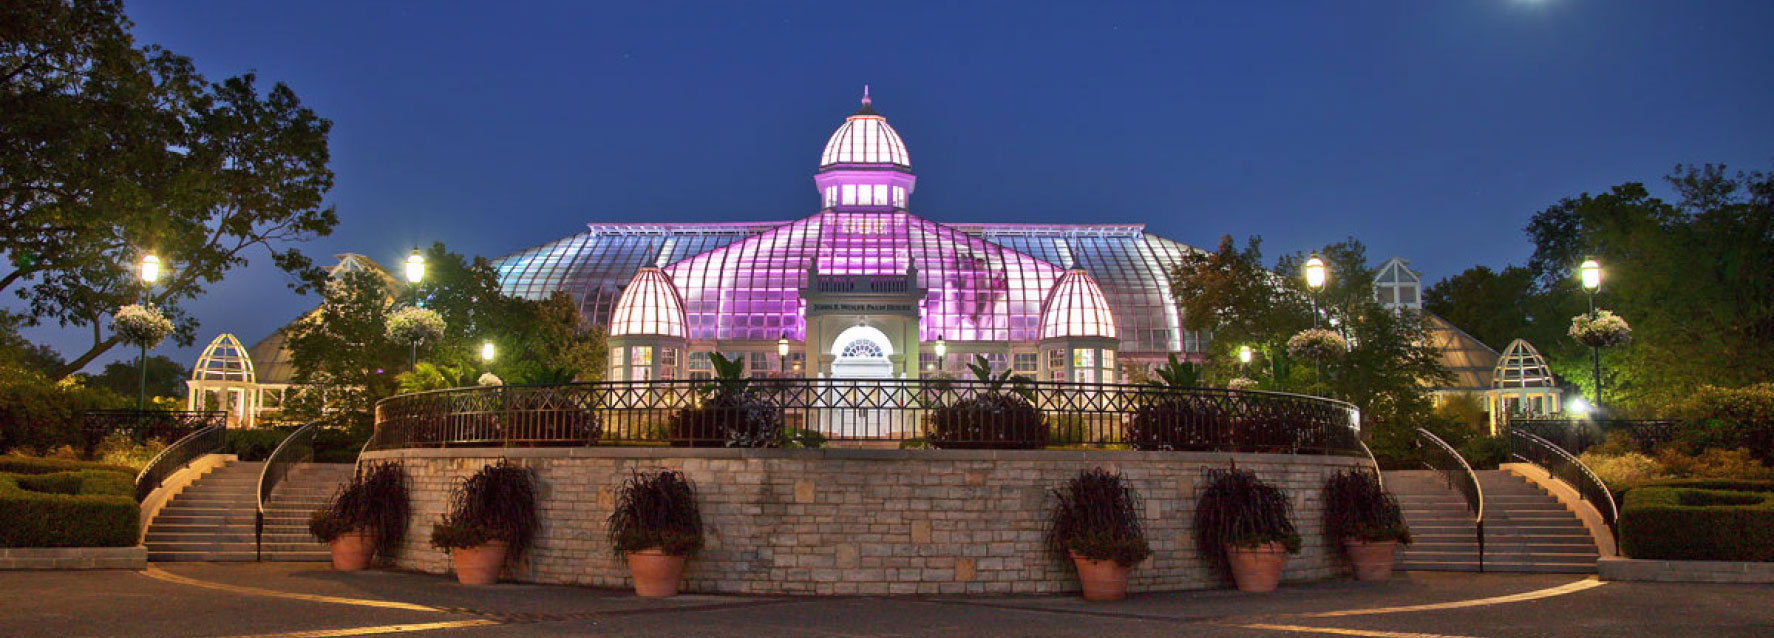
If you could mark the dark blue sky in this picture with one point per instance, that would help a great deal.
(1430, 130)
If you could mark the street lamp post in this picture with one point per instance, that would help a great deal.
(1591, 274)
(415, 274)
(1315, 275)
(942, 351)
(1243, 358)
(782, 355)
(486, 352)
(150, 272)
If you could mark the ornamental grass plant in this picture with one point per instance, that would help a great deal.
(1239, 509)
(496, 503)
(374, 500)
(656, 510)
(1097, 517)
(1357, 508)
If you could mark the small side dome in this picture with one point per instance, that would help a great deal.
(650, 305)
(223, 360)
(1521, 366)
(1076, 308)
(865, 138)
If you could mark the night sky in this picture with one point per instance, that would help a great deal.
(1429, 130)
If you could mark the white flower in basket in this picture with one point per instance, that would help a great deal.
(415, 325)
(488, 378)
(1604, 330)
(1316, 343)
(1241, 383)
(140, 326)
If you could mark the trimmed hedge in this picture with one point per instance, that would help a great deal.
(35, 465)
(1689, 522)
(83, 508)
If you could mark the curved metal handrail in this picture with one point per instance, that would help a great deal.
(1379, 477)
(1460, 478)
(196, 444)
(1094, 414)
(1566, 467)
(298, 447)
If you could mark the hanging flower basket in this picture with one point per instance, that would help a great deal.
(488, 378)
(415, 325)
(140, 326)
(1241, 383)
(1604, 330)
(1316, 344)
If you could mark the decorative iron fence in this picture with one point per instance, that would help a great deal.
(1565, 467)
(934, 413)
(296, 448)
(1577, 435)
(208, 440)
(141, 425)
(1440, 456)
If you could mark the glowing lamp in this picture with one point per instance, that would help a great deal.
(782, 346)
(1244, 354)
(1591, 272)
(1578, 407)
(942, 347)
(1315, 272)
(415, 267)
(150, 269)
(486, 351)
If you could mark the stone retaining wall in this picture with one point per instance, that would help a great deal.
(856, 521)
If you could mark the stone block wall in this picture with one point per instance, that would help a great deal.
(856, 521)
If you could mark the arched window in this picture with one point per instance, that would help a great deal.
(863, 348)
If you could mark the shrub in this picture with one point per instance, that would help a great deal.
(1000, 416)
(729, 414)
(1689, 523)
(81, 508)
(1731, 418)
(119, 448)
(1172, 421)
(1712, 463)
(1239, 509)
(34, 465)
(38, 414)
(656, 510)
(375, 499)
(339, 444)
(1485, 452)
(1357, 508)
(255, 444)
(1098, 518)
(1624, 470)
(496, 503)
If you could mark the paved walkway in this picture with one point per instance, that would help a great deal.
(306, 600)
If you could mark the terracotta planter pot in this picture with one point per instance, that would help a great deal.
(1372, 559)
(1257, 569)
(656, 573)
(479, 565)
(1103, 580)
(352, 550)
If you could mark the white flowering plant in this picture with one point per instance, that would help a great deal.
(1241, 383)
(415, 325)
(1316, 343)
(488, 378)
(140, 325)
(1602, 330)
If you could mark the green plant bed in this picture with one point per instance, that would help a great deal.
(1690, 523)
(81, 508)
(254, 444)
(35, 465)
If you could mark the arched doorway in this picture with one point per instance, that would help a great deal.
(861, 352)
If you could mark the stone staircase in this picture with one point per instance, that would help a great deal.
(212, 520)
(1526, 529)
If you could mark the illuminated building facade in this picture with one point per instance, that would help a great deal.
(865, 288)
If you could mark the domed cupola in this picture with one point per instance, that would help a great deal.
(865, 165)
(647, 329)
(1078, 336)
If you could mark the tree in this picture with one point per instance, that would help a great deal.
(166, 377)
(1489, 305)
(109, 150)
(341, 352)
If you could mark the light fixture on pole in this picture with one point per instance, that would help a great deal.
(149, 272)
(942, 350)
(1315, 274)
(1590, 273)
(486, 352)
(1244, 355)
(415, 274)
(1578, 407)
(782, 354)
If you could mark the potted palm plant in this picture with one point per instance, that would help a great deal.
(1000, 414)
(1241, 524)
(492, 518)
(1097, 524)
(656, 527)
(365, 516)
(1362, 517)
(729, 412)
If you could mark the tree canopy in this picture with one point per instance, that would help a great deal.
(110, 150)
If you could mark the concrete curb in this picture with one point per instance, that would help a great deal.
(74, 557)
(1685, 571)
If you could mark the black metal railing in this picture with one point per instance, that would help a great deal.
(209, 440)
(939, 413)
(295, 449)
(1578, 435)
(1440, 456)
(1565, 467)
(143, 425)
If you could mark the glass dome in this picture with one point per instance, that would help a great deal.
(650, 305)
(865, 138)
(1076, 308)
(223, 360)
(1521, 366)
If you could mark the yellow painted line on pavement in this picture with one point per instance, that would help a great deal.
(1570, 588)
(158, 574)
(1337, 631)
(372, 631)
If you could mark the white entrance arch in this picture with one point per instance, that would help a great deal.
(860, 352)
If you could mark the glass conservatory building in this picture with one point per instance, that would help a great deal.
(865, 288)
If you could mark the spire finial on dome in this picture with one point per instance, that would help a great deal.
(865, 94)
(867, 108)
